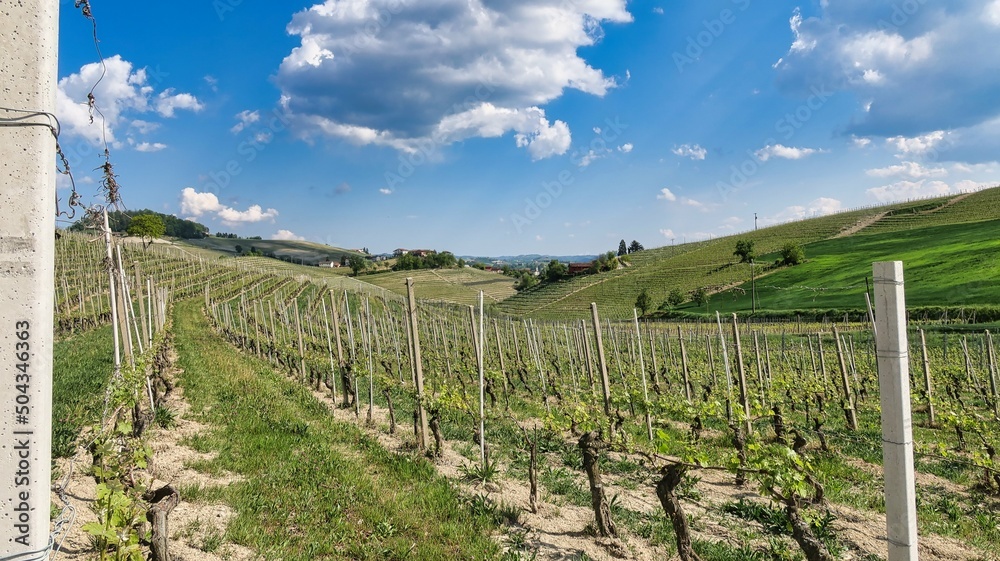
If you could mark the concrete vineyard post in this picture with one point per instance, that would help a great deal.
(418, 367)
(605, 385)
(894, 392)
(28, 63)
(729, 376)
(329, 347)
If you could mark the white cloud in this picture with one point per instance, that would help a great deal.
(244, 119)
(454, 70)
(786, 152)
(818, 207)
(287, 235)
(919, 66)
(385, 191)
(992, 12)
(861, 142)
(197, 204)
(695, 152)
(902, 190)
(667, 233)
(916, 145)
(231, 216)
(658, 11)
(666, 195)
(908, 169)
(150, 146)
(168, 102)
(625, 148)
(123, 93)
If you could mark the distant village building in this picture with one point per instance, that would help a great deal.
(578, 268)
(329, 264)
(400, 252)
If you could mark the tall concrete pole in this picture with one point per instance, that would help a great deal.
(897, 421)
(28, 73)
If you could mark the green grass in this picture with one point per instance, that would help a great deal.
(314, 488)
(80, 370)
(308, 253)
(458, 286)
(711, 264)
(950, 265)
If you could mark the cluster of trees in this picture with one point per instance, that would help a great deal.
(436, 260)
(253, 252)
(119, 221)
(791, 253)
(605, 262)
(634, 247)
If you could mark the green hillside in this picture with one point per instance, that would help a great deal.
(306, 253)
(711, 264)
(460, 286)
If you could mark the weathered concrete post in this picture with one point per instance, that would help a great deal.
(28, 63)
(897, 429)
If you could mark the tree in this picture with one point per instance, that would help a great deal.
(358, 264)
(675, 298)
(643, 301)
(792, 254)
(555, 271)
(343, 260)
(525, 281)
(146, 227)
(700, 296)
(239, 249)
(745, 251)
(635, 247)
(622, 248)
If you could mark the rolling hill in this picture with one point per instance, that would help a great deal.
(897, 231)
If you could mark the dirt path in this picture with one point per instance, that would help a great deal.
(860, 225)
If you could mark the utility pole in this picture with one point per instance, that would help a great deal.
(755, 222)
(28, 62)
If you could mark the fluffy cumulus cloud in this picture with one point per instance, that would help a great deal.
(198, 205)
(244, 119)
(785, 152)
(915, 66)
(124, 93)
(818, 207)
(666, 195)
(287, 235)
(695, 152)
(411, 75)
(908, 169)
(924, 188)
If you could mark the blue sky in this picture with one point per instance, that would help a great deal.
(494, 127)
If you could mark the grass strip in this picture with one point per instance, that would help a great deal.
(314, 488)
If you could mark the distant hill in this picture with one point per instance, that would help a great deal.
(530, 259)
(305, 253)
(835, 245)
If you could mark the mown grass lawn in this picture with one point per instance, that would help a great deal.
(314, 488)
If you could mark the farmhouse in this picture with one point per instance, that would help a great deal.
(578, 268)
